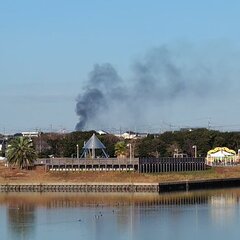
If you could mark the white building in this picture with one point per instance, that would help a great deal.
(132, 135)
(31, 134)
(1, 144)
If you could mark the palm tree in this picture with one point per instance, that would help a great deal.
(120, 149)
(21, 152)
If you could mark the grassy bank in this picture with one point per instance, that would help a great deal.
(40, 176)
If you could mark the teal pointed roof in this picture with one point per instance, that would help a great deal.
(94, 143)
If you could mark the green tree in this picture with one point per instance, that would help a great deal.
(21, 152)
(120, 149)
(109, 141)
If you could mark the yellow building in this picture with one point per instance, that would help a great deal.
(221, 156)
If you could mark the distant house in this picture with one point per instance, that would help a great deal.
(1, 145)
(129, 135)
(132, 135)
(31, 134)
(142, 135)
(180, 155)
(101, 132)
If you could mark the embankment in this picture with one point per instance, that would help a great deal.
(122, 187)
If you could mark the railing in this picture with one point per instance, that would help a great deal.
(86, 161)
(170, 160)
(144, 165)
(168, 164)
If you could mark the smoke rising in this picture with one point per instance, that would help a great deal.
(103, 85)
(87, 106)
(165, 84)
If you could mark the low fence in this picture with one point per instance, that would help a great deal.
(156, 165)
(142, 165)
(89, 164)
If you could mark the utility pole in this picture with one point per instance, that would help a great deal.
(209, 124)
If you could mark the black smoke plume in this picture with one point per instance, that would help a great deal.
(88, 105)
(103, 84)
(164, 84)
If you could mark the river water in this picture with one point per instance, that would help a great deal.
(187, 215)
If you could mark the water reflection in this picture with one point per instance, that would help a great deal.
(128, 216)
(223, 208)
(17, 201)
(21, 220)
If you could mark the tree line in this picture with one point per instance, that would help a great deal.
(154, 145)
(22, 151)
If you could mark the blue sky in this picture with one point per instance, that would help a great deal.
(48, 48)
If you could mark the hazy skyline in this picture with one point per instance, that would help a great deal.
(48, 49)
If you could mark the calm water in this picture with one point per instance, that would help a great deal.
(193, 215)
